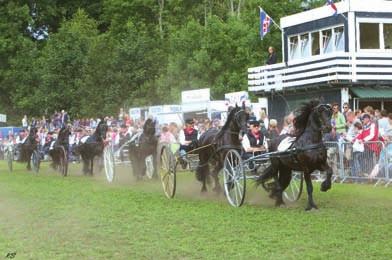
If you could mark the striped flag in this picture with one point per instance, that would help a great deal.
(265, 23)
(333, 6)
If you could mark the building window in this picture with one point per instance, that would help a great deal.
(388, 35)
(339, 38)
(305, 46)
(315, 36)
(295, 51)
(327, 41)
(369, 36)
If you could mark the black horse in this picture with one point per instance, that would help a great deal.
(308, 153)
(93, 146)
(214, 144)
(28, 147)
(59, 150)
(141, 146)
(144, 145)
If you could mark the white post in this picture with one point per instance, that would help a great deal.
(344, 96)
(352, 40)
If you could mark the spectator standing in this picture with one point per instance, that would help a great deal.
(271, 56)
(346, 109)
(273, 130)
(288, 125)
(166, 136)
(383, 123)
(338, 122)
(64, 117)
(369, 134)
(25, 122)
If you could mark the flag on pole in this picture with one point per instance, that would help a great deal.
(333, 6)
(265, 23)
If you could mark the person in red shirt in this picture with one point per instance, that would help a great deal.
(369, 136)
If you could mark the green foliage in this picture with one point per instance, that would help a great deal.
(102, 55)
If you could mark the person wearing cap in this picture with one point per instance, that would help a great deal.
(254, 142)
(188, 139)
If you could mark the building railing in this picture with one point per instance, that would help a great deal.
(322, 69)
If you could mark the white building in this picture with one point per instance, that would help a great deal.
(345, 57)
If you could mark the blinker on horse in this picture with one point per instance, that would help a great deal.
(308, 153)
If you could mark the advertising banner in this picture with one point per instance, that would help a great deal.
(237, 98)
(193, 96)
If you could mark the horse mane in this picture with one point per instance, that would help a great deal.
(63, 134)
(302, 116)
(230, 117)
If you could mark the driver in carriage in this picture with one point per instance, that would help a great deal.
(188, 140)
(254, 142)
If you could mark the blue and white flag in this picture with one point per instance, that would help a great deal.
(265, 23)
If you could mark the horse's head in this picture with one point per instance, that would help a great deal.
(33, 132)
(149, 127)
(240, 117)
(102, 129)
(324, 114)
(64, 133)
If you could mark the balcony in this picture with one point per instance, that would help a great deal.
(336, 68)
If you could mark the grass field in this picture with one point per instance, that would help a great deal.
(46, 216)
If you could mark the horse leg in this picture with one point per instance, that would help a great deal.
(85, 164)
(327, 183)
(202, 172)
(155, 163)
(143, 168)
(215, 175)
(28, 167)
(309, 189)
(136, 169)
(91, 166)
(281, 184)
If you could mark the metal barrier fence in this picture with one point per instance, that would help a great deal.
(371, 162)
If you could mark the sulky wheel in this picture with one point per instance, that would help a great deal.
(234, 178)
(293, 192)
(149, 166)
(35, 161)
(63, 163)
(167, 171)
(108, 161)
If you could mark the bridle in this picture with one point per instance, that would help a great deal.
(319, 109)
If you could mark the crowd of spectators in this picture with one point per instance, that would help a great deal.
(363, 129)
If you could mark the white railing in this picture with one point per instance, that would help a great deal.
(331, 68)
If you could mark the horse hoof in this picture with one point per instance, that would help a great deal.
(280, 204)
(325, 186)
(311, 208)
(217, 190)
